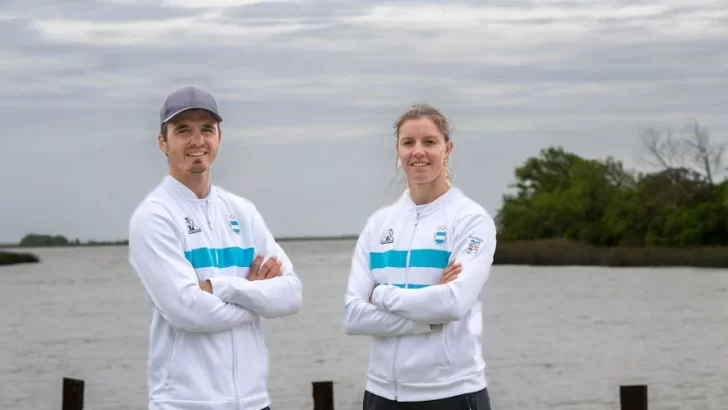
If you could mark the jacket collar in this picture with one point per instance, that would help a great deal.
(179, 189)
(425, 209)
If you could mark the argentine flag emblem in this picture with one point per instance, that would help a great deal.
(234, 224)
(441, 235)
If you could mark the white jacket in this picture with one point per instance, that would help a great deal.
(426, 338)
(206, 351)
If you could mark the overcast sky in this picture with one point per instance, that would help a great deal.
(310, 90)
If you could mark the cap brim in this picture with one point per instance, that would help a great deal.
(214, 114)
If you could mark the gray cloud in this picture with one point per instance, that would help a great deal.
(310, 90)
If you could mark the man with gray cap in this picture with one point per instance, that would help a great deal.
(198, 251)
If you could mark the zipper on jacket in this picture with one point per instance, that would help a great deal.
(235, 370)
(213, 242)
(207, 213)
(406, 285)
(409, 250)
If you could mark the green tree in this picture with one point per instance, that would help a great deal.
(561, 195)
(43, 240)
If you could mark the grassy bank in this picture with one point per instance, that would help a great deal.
(548, 252)
(557, 252)
(12, 258)
(563, 253)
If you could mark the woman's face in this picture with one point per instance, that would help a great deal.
(422, 150)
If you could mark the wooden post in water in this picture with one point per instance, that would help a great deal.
(633, 397)
(323, 395)
(72, 394)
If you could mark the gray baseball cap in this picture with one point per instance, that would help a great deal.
(188, 98)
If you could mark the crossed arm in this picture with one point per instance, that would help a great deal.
(171, 284)
(474, 249)
(361, 317)
(279, 294)
(386, 310)
(272, 268)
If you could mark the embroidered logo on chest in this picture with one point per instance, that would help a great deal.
(441, 235)
(388, 238)
(191, 227)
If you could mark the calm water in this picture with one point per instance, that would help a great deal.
(556, 338)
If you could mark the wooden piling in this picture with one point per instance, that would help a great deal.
(633, 397)
(323, 395)
(72, 394)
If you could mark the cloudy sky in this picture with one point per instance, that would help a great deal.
(310, 90)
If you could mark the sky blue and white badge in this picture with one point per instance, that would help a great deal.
(441, 235)
(234, 225)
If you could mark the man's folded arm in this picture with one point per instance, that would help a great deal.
(170, 281)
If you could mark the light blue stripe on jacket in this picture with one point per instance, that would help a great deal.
(220, 258)
(419, 258)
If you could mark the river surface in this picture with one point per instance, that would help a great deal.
(555, 338)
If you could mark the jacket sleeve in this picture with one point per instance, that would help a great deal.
(360, 316)
(474, 249)
(157, 256)
(270, 298)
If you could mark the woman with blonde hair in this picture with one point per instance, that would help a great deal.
(416, 276)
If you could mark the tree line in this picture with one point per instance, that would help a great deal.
(684, 203)
(43, 240)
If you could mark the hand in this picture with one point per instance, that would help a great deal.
(270, 269)
(206, 286)
(451, 272)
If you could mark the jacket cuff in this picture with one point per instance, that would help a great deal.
(378, 296)
(220, 287)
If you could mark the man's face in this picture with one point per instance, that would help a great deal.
(193, 138)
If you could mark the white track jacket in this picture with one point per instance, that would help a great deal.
(206, 351)
(426, 337)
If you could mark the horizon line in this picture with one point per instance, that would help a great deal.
(126, 241)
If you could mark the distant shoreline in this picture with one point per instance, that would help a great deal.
(126, 242)
(547, 252)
